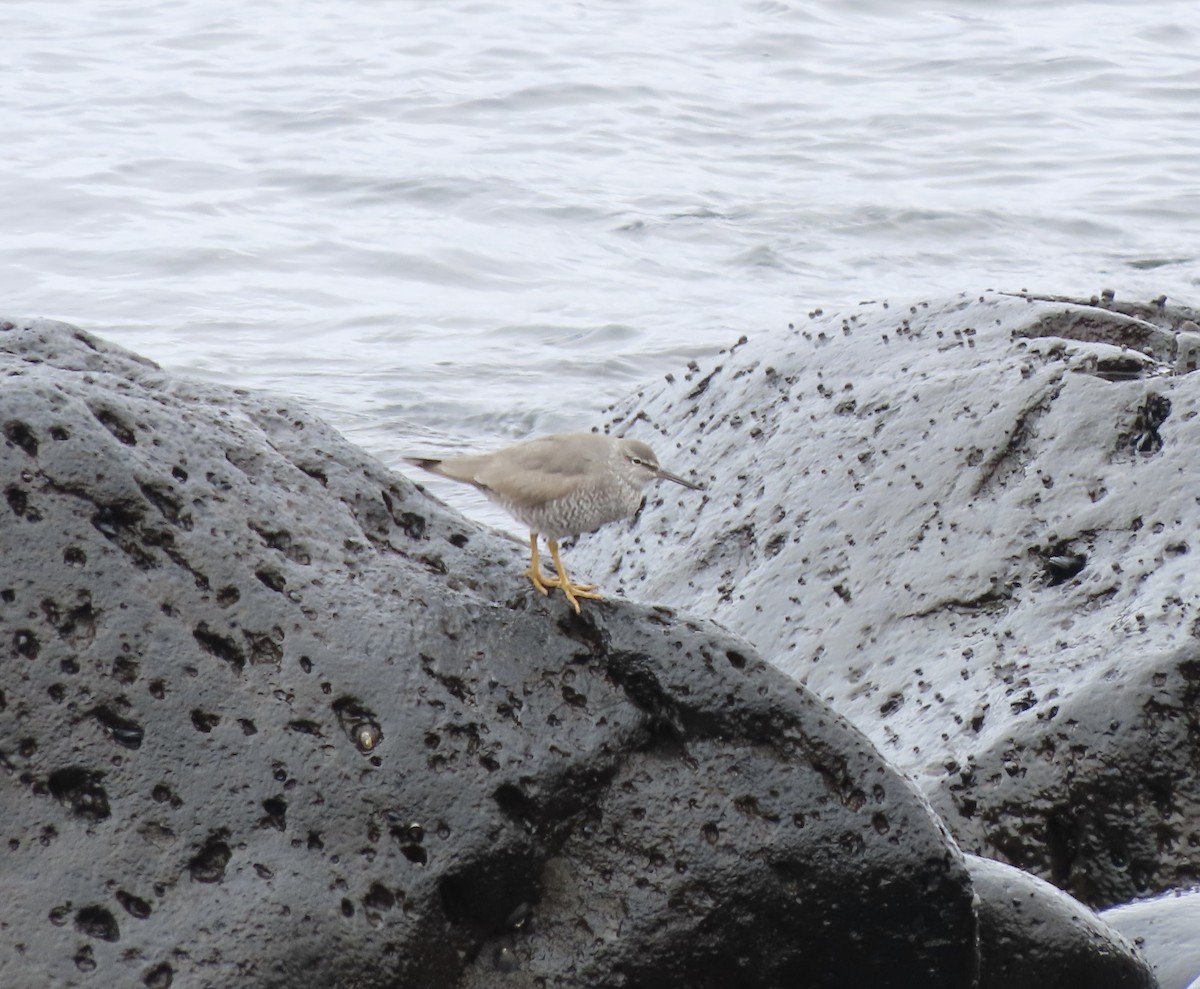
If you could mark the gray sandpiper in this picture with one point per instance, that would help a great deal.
(560, 485)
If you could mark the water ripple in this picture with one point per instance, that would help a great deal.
(476, 218)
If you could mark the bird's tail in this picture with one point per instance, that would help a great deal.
(456, 468)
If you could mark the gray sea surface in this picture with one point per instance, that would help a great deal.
(453, 224)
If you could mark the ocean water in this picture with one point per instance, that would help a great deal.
(451, 225)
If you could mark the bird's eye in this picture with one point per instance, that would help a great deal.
(638, 461)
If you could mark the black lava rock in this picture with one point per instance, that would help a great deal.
(1097, 797)
(270, 716)
(967, 527)
(1166, 930)
(1033, 936)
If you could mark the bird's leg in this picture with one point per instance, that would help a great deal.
(562, 571)
(572, 591)
(534, 573)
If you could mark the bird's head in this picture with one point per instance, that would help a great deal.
(643, 464)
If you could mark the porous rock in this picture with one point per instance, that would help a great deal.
(968, 526)
(1167, 931)
(1032, 935)
(270, 716)
(1102, 797)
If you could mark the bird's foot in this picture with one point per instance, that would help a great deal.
(581, 589)
(540, 581)
(574, 592)
(571, 590)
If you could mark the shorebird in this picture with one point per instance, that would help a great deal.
(560, 485)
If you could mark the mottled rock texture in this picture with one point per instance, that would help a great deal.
(270, 716)
(1033, 936)
(1101, 799)
(968, 526)
(1167, 930)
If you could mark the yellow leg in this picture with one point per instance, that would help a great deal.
(562, 575)
(572, 591)
(534, 573)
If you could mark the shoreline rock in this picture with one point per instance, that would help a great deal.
(966, 525)
(1033, 935)
(272, 717)
(1164, 929)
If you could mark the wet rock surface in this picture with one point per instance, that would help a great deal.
(269, 716)
(969, 526)
(1032, 935)
(1102, 798)
(1167, 931)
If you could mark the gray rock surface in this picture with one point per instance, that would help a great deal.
(1033, 936)
(1167, 930)
(1102, 798)
(269, 716)
(968, 526)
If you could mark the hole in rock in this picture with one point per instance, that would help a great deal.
(79, 789)
(19, 434)
(97, 922)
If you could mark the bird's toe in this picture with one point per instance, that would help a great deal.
(540, 581)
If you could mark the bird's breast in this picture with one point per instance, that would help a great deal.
(586, 508)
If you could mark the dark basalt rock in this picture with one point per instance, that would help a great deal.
(1166, 930)
(1097, 797)
(1033, 936)
(273, 717)
(966, 525)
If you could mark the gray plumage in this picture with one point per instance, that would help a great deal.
(560, 485)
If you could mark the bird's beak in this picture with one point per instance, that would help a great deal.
(666, 475)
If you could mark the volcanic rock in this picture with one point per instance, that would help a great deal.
(1033, 935)
(270, 716)
(967, 526)
(1167, 930)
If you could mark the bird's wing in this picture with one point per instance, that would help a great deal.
(539, 471)
(455, 468)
